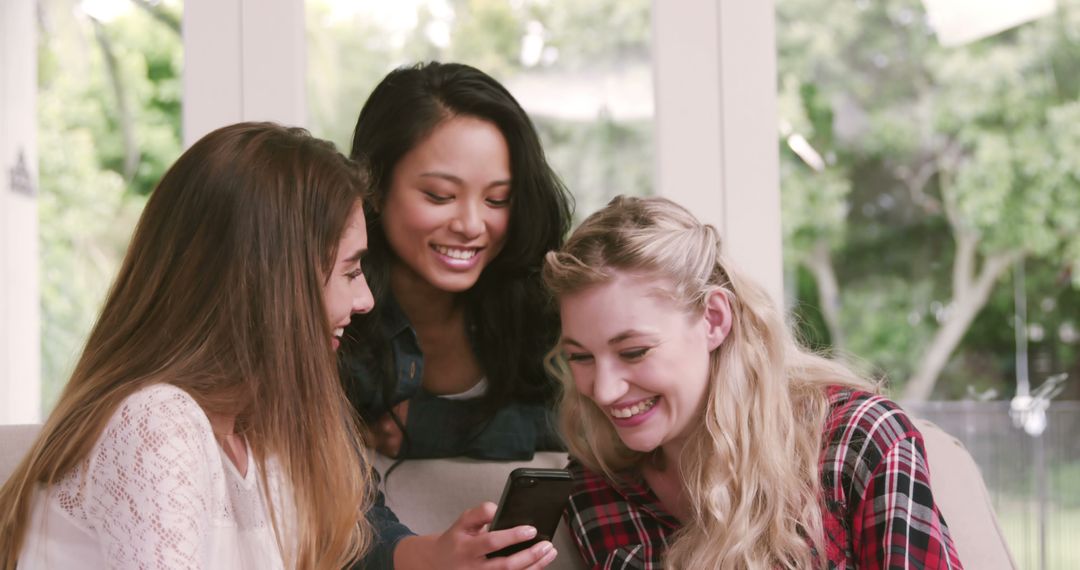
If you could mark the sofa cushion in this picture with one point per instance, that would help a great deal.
(15, 442)
(965, 503)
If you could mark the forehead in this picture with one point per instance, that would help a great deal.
(625, 301)
(460, 141)
(354, 235)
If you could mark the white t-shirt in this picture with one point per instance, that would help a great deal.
(156, 491)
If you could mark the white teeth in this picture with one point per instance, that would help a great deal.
(455, 253)
(640, 407)
(339, 332)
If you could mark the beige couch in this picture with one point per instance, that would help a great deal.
(429, 495)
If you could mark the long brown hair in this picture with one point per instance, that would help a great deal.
(220, 294)
(751, 471)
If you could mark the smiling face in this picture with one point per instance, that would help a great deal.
(642, 359)
(448, 207)
(346, 291)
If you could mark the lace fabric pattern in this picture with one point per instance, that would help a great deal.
(157, 491)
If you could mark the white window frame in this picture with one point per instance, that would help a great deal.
(714, 69)
(20, 302)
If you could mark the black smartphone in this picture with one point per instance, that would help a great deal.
(534, 497)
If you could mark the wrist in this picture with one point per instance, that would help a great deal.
(416, 552)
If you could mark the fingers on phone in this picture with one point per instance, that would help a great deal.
(535, 557)
(486, 511)
(478, 517)
(500, 539)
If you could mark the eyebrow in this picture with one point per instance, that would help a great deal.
(360, 253)
(629, 333)
(457, 180)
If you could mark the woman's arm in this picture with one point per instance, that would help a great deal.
(389, 532)
(896, 523)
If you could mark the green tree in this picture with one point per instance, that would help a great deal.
(969, 144)
(108, 126)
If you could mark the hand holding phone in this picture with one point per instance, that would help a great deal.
(535, 497)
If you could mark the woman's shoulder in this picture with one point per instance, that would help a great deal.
(156, 436)
(861, 407)
(159, 415)
(164, 402)
(866, 421)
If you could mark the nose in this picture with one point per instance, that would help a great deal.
(363, 300)
(468, 220)
(608, 384)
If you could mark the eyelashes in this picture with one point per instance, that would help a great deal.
(629, 355)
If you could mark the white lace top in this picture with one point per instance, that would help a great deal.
(157, 491)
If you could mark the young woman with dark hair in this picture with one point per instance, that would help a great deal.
(464, 207)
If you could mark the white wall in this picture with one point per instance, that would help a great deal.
(244, 60)
(716, 124)
(20, 343)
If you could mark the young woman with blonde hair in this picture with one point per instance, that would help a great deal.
(703, 435)
(204, 425)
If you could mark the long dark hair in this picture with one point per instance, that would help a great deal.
(513, 321)
(221, 295)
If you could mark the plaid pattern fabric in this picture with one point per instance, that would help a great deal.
(878, 509)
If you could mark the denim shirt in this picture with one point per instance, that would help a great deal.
(441, 427)
(436, 427)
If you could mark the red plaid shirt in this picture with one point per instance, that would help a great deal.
(878, 509)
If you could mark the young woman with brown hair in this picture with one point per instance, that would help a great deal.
(204, 425)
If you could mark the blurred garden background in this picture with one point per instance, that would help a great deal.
(930, 183)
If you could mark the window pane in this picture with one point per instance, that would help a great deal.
(108, 126)
(931, 207)
(581, 69)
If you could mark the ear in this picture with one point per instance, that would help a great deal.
(717, 318)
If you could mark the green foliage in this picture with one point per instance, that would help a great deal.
(596, 33)
(922, 143)
(599, 160)
(86, 207)
(892, 322)
(487, 34)
(806, 317)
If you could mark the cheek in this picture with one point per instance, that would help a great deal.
(336, 298)
(696, 392)
(402, 218)
(498, 224)
(583, 381)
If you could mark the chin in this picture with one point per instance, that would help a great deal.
(641, 445)
(456, 284)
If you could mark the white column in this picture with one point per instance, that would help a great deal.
(716, 141)
(20, 337)
(244, 60)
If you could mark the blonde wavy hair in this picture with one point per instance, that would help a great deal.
(751, 471)
(221, 295)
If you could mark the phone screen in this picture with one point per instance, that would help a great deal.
(534, 497)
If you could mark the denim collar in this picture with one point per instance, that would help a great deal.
(392, 319)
